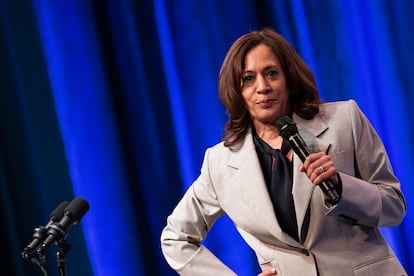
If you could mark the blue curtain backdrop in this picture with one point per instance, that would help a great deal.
(116, 101)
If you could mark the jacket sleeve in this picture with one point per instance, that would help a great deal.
(188, 226)
(373, 196)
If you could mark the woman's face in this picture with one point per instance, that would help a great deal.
(264, 86)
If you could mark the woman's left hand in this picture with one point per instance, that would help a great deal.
(319, 167)
(268, 272)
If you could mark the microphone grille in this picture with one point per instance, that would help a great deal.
(77, 209)
(57, 214)
(286, 127)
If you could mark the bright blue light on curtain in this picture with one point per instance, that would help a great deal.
(89, 134)
(302, 31)
(377, 89)
(174, 91)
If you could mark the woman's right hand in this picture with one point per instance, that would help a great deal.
(268, 272)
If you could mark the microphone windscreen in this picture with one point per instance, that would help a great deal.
(286, 127)
(77, 209)
(57, 214)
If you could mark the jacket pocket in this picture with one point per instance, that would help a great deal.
(388, 265)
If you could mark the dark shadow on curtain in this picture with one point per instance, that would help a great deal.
(34, 177)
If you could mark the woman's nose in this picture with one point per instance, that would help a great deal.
(262, 85)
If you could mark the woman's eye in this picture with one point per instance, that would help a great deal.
(272, 73)
(247, 81)
(247, 78)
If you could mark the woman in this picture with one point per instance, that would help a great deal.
(301, 233)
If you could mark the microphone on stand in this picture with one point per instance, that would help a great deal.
(57, 230)
(288, 130)
(40, 232)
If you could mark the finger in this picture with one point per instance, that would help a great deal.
(324, 172)
(268, 272)
(312, 161)
(320, 167)
(317, 173)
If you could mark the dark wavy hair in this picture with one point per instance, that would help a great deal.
(300, 81)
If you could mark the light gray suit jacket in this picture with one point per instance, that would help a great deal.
(342, 240)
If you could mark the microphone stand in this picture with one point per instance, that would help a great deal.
(28, 252)
(61, 254)
(39, 261)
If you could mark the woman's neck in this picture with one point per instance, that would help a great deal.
(269, 134)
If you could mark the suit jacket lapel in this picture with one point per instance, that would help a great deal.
(249, 183)
(302, 189)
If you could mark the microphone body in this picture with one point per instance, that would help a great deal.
(40, 232)
(57, 231)
(288, 130)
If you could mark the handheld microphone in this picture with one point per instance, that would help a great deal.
(288, 130)
(57, 231)
(40, 232)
